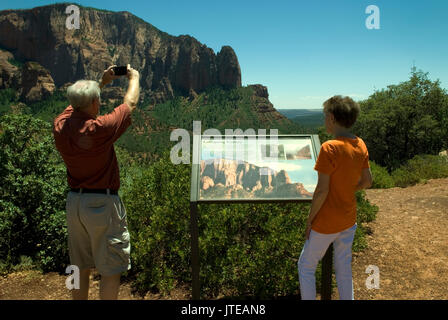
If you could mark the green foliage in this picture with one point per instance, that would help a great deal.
(245, 249)
(323, 135)
(217, 108)
(311, 121)
(32, 197)
(381, 177)
(365, 213)
(157, 203)
(112, 51)
(50, 108)
(420, 169)
(8, 97)
(405, 120)
(17, 63)
(251, 249)
(25, 264)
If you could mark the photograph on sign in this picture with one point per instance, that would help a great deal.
(254, 168)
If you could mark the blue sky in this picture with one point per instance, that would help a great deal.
(306, 51)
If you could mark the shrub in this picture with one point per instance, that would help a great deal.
(157, 202)
(419, 169)
(366, 212)
(8, 97)
(381, 178)
(33, 193)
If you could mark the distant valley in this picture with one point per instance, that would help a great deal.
(306, 118)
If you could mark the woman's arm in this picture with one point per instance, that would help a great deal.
(366, 180)
(320, 194)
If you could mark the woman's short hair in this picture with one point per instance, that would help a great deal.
(82, 93)
(344, 110)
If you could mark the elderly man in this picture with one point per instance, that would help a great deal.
(96, 218)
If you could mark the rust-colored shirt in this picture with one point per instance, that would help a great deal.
(343, 159)
(86, 145)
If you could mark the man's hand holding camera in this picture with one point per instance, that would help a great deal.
(132, 73)
(108, 77)
(133, 93)
(113, 72)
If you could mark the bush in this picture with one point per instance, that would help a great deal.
(32, 197)
(420, 169)
(8, 97)
(365, 213)
(381, 178)
(245, 249)
(157, 202)
(404, 120)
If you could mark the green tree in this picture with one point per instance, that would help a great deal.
(404, 120)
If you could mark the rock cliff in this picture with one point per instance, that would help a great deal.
(32, 81)
(167, 64)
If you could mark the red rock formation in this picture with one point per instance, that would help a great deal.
(229, 72)
(230, 173)
(166, 63)
(304, 153)
(260, 90)
(9, 73)
(32, 81)
(231, 180)
(207, 182)
(37, 83)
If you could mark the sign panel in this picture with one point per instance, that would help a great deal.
(251, 168)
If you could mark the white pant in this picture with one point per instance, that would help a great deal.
(313, 251)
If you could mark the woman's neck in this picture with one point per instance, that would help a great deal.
(342, 132)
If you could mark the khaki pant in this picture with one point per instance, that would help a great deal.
(98, 236)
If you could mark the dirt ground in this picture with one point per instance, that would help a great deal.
(408, 243)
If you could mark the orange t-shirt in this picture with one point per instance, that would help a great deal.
(343, 159)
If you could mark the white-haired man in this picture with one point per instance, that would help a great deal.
(96, 218)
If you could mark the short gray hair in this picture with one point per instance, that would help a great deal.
(82, 93)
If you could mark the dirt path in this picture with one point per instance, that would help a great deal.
(408, 243)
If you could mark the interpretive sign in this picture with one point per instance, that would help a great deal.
(251, 168)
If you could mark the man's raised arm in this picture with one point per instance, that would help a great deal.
(133, 94)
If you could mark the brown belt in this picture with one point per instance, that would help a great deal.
(103, 191)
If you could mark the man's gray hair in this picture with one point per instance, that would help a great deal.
(82, 93)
